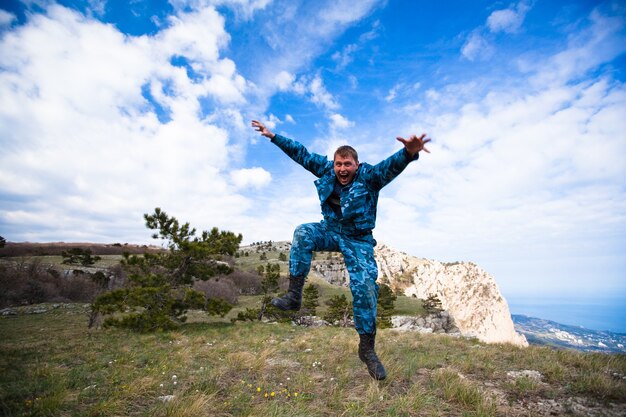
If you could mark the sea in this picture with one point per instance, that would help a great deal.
(598, 313)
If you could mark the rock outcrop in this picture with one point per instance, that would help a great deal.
(467, 292)
(441, 322)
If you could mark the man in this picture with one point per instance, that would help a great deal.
(348, 192)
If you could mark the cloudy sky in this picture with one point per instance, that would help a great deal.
(111, 108)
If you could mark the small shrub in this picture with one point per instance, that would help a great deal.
(30, 282)
(310, 299)
(432, 304)
(339, 310)
(219, 287)
(78, 256)
(81, 289)
(386, 307)
(248, 283)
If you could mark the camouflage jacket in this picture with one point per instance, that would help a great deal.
(360, 198)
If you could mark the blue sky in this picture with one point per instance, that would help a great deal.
(111, 108)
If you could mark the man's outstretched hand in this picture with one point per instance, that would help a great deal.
(260, 127)
(415, 144)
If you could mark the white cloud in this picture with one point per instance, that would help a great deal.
(508, 20)
(290, 119)
(371, 34)
(284, 81)
(602, 41)
(97, 7)
(86, 150)
(401, 87)
(321, 96)
(342, 12)
(340, 122)
(479, 43)
(476, 46)
(344, 57)
(391, 95)
(296, 41)
(243, 8)
(525, 168)
(251, 177)
(271, 121)
(354, 82)
(6, 18)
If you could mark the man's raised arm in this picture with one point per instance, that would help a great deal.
(312, 162)
(385, 171)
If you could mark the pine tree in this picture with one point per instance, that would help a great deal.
(78, 256)
(310, 299)
(386, 306)
(269, 286)
(432, 304)
(339, 310)
(159, 291)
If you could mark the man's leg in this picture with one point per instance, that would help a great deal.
(307, 238)
(361, 265)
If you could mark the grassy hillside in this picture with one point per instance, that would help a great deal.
(51, 364)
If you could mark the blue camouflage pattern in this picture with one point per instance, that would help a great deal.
(350, 234)
(360, 199)
(358, 254)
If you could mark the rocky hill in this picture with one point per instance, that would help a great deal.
(467, 292)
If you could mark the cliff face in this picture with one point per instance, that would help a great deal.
(467, 292)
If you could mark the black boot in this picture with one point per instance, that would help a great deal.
(368, 355)
(293, 299)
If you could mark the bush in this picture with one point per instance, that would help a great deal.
(339, 310)
(386, 306)
(31, 282)
(118, 278)
(432, 304)
(80, 289)
(248, 283)
(310, 299)
(78, 256)
(222, 288)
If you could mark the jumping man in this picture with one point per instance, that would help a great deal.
(348, 192)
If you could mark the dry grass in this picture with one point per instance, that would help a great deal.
(50, 364)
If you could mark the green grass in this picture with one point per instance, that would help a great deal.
(52, 365)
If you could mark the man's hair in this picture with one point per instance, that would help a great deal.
(346, 151)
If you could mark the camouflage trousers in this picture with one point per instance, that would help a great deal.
(358, 253)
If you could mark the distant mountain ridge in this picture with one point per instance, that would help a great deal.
(549, 333)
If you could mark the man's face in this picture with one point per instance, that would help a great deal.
(345, 169)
